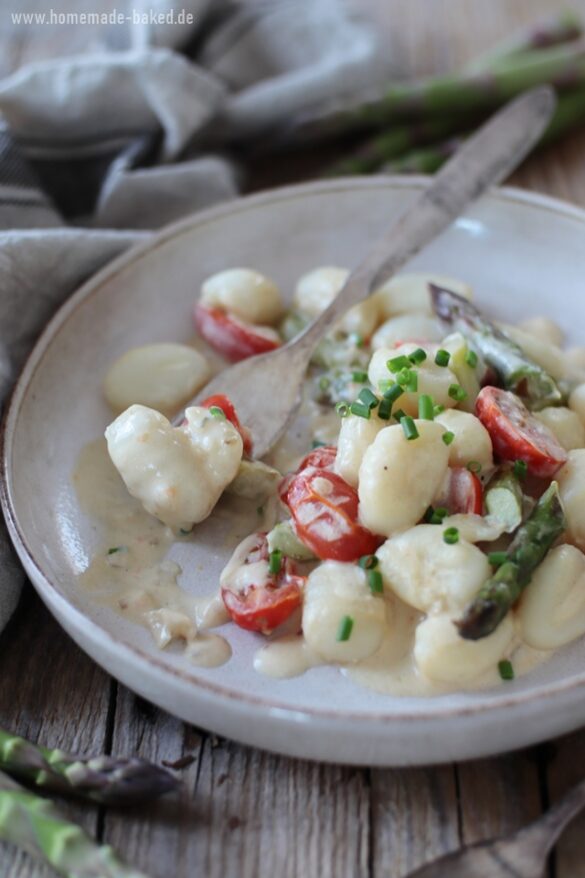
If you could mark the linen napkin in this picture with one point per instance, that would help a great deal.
(97, 147)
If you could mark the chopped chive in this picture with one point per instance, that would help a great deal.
(425, 407)
(342, 409)
(474, 466)
(471, 359)
(393, 393)
(368, 398)
(259, 510)
(344, 630)
(412, 384)
(398, 363)
(403, 377)
(275, 562)
(457, 393)
(184, 532)
(496, 559)
(439, 515)
(375, 581)
(520, 469)
(399, 414)
(448, 437)
(324, 383)
(442, 357)
(385, 410)
(316, 443)
(438, 410)
(368, 562)
(357, 339)
(451, 536)
(417, 357)
(361, 410)
(428, 514)
(114, 549)
(506, 670)
(217, 412)
(359, 377)
(409, 428)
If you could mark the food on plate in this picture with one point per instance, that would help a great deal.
(422, 523)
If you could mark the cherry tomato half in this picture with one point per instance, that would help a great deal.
(265, 605)
(230, 337)
(325, 511)
(516, 434)
(222, 402)
(463, 493)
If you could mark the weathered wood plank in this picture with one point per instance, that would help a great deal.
(566, 766)
(49, 692)
(413, 818)
(242, 812)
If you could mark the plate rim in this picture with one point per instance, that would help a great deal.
(50, 591)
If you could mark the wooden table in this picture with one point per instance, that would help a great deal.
(243, 813)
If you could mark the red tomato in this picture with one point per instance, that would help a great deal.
(222, 402)
(265, 606)
(325, 510)
(463, 493)
(230, 337)
(516, 434)
(320, 458)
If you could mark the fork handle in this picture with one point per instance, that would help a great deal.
(547, 829)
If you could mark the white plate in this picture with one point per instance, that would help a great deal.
(523, 254)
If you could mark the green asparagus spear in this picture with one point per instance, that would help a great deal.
(516, 371)
(425, 160)
(105, 779)
(561, 28)
(504, 499)
(533, 540)
(37, 826)
(562, 66)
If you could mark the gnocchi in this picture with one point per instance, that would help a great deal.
(335, 592)
(177, 473)
(442, 655)
(316, 290)
(355, 437)
(246, 294)
(552, 611)
(160, 376)
(410, 292)
(572, 489)
(565, 424)
(433, 380)
(471, 439)
(398, 478)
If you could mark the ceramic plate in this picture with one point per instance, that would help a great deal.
(523, 254)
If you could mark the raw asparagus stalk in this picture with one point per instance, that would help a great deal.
(425, 160)
(553, 31)
(504, 500)
(534, 538)
(516, 371)
(562, 66)
(105, 779)
(38, 827)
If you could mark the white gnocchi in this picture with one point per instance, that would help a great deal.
(432, 379)
(316, 290)
(566, 426)
(355, 437)
(247, 294)
(571, 479)
(551, 612)
(161, 376)
(405, 327)
(334, 592)
(410, 292)
(472, 441)
(430, 575)
(442, 655)
(177, 473)
(398, 478)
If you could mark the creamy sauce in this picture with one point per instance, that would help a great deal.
(130, 573)
(286, 657)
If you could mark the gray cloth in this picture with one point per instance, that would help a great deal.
(119, 139)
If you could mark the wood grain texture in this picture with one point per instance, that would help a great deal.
(242, 813)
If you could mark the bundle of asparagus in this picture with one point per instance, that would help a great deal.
(420, 124)
(34, 824)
